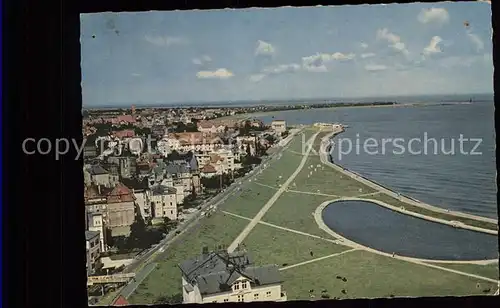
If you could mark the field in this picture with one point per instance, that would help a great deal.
(488, 270)
(218, 229)
(308, 257)
(369, 276)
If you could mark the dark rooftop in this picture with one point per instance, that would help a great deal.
(97, 170)
(162, 190)
(90, 235)
(135, 183)
(216, 271)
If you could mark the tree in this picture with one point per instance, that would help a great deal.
(169, 299)
(174, 155)
(138, 233)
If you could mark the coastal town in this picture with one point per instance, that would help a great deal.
(178, 205)
(147, 173)
(287, 165)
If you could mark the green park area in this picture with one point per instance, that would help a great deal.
(308, 257)
(218, 229)
(486, 270)
(369, 275)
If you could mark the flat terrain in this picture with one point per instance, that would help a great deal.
(288, 233)
(287, 248)
(369, 275)
(488, 270)
(218, 229)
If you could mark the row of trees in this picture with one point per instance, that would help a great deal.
(141, 237)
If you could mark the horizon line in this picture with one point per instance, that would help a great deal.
(266, 100)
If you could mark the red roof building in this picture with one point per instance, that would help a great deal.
(121, 301)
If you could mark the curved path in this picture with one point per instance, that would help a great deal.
(271, 201)
(326, 161)
(319, 220)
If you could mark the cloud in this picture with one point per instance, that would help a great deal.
(476, 40)
(264, 48)
(316, 68)
(165, 40)
(257, 77)
(221, 73)
(136, 74)
(433, 15)
(367, 55)
(283, 68)
(202, 60)
(433, 46)
(325, 58)
(364, 45)
(375, 67)
(393, 40)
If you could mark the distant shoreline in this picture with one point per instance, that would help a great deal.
(397, 105)
(443, 98)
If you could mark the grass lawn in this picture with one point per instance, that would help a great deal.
(269, 245)
(371, 276)
(489, 270)
(412, 208)
(295, 211)
(166, 279)
(283, 167)
(249, 200)
(328, 181)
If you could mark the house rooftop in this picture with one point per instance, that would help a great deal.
(91, 234)
(136, 184)
(97, 170)
(216, 271)
(163, 190)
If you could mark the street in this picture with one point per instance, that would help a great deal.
(143, 266)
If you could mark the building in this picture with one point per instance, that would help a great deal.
(97, 223)
(121, 301)
(99, 176)
(141, 192)
(126, 165)
(212, 127)
(278, 126)
(121, 206)
(93, 249)
(208, 171)
(218, 277)
(164, 202)
(197, 141)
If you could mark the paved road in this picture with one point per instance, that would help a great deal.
(269, 203)
(145, 264)
(139, 277)
(216, 200)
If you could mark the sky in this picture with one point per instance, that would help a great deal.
(282, 53)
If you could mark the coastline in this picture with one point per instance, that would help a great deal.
(325, 148)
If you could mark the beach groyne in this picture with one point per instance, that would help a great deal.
(325, 159)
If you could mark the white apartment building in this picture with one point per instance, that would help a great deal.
(93, 249)
(278, 126)
(164, 202)
(220, 277)
(221, 159)
(185, 142)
